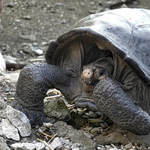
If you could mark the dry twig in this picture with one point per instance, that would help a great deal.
(45, 144)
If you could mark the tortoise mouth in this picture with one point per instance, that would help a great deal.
(85, 102)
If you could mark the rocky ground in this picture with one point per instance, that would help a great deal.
(27, 27)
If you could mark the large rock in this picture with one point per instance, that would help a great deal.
(56, 108)
(75, 136)
(117, 135)
(19, 120)
(9, 130)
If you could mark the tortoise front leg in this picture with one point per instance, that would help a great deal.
(112, 100)
(33, 83)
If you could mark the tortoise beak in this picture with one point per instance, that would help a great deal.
(85, 102)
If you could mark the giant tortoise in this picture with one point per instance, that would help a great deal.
(102, 63)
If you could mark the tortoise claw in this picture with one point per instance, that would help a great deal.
(86, 103)
(35, 117)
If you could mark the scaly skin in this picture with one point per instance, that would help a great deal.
(113, 101)
(33, 83)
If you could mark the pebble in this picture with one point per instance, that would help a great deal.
(19, 120)
(76, 146)
(12, 77)
(3, 145)
(35, 44)
(65, 142)
(28, 146)
(92, 114)
(28, 17)
(44, 43)
(55, 143)
(104, 125)
(31, 37)
(2, 103)
(129, 145)
(38, 52)
(95, 131)
(10, 59)
(2, 63)
(124, 6)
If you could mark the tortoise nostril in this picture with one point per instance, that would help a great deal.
(87, 73)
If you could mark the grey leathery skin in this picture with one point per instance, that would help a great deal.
(111, 99)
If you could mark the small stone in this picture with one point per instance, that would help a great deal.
(35, 44)
(59, 4)
(3, 114)
(104, 125)
(65, 142)
(56, 143)
(65, 148)
(114, 148)
(96, 131)
(10, 59)
(71, 8)
(9, 130)
(80, 111)
(75, 146)
(31, 37)
(124, 6)
(38, 52)
(99, 113)
(92, 114)
(63, 21)
(107, 146)
(48, 125)
(19, 120)
(3, 145)
(2, 63)
(17, 20)
(12, 77)
(2, 103)
(101, 148)
(28, 146)
(28, 17)
(7, 89)
(129, 145)
(44, 43)
(11, 4)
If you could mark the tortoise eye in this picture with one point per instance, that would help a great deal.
(101, 73)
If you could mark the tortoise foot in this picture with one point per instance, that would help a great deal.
(84, 102)
(115, 103)
(33, 83)
(35, 116)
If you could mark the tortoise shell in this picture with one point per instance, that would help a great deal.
(124, 32)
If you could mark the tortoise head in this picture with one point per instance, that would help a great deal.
(96, 71)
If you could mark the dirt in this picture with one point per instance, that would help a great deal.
(32, 24)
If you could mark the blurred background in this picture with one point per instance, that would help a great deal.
(28, 26)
